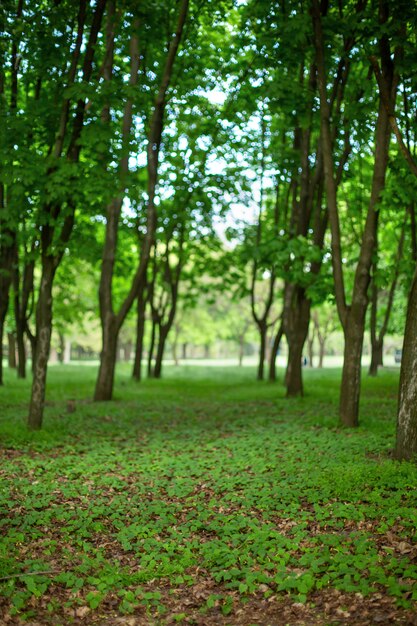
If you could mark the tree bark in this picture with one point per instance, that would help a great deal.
(262, 347)
(352, 367)
(322, 344)
(406, 440)
(376, 357)
(140, 330)
(43, 345)
(11, 340)
(296, 322)
(7, 239)
(108, 358)
(241, 349)
(272, 376)
(163, 334)
(151, 349)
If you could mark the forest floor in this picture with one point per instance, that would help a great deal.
(205, 498)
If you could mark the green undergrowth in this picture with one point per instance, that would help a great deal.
(204, 478)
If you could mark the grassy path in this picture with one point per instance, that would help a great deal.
(205, 498)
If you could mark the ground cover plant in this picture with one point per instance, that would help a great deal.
(204, 498)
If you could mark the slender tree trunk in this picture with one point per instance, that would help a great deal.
(241, 349)
(296, 322)
(184, 350)
(140, 330)
(6, 260)
(406, 441)
(151, 349)
(352, 367)
(11, 340)
(310, 349)
(175, 353)
(376, 357)
(163, 334)
(293, 375)
(322, 345)
(21, 351)
(43, 345)
(1, 349)
(105, 380)
(262, 348)
(61, 351)
(275, 347)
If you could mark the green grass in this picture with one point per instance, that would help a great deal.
(206, 480)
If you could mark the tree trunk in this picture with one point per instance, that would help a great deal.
(67, 351)
(21, 352)
(376, 357)
(322, 344)
(310, 348)
(351, 374)
(11, 340)
(163, 334)
(184, 350)
(105, 379)
(406, 442)
(6, 260)
(61, 350)
(241, 349)
(273, 360)
(140, 329)
(262, 348)
(1, 349)
(175, 354)
(151, 349)
(296, 322)
(293, 375)
(43, 345)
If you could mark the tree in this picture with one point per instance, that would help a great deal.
(352, 316)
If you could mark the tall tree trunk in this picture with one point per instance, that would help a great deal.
(6, 259)
(163, 334)
(262, 347)
(322, 346)
(310, 349)
(1, 349)
(152, 349)
(11, 340)
(296, 322)
(21, 351)
(376, 357)
(406, 441)
(43, 345)
(241, 349)
(274, 352)
(61, 351)
(108, 358)
(352, 367)
(140, 330)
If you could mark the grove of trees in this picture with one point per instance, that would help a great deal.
(158, 155)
